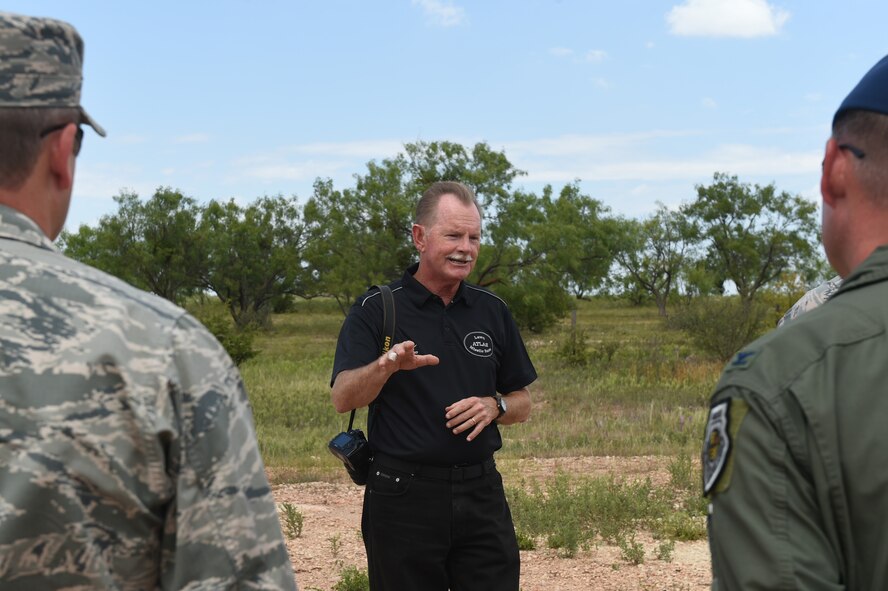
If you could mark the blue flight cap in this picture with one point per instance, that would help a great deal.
(871, 93)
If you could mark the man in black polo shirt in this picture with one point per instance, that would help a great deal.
(435, 515)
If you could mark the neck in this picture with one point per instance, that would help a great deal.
(444, 290)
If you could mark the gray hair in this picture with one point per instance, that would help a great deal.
(427, 206)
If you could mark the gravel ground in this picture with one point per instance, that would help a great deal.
(331, 537)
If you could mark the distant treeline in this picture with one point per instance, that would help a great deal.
(539, 250)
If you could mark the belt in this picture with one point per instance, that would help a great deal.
(452, 473)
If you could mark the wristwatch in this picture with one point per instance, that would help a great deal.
(500, 404)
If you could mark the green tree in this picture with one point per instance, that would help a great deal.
(577, 239)
(525, 257)
(152, 244)
(533, 248)
(254, 255)
(753, 234)
(362, 236)
(653, 252)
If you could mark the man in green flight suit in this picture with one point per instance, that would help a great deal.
(792, 461)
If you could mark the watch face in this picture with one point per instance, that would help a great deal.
(501, 404)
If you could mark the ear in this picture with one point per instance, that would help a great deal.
(419, 237)
(834, 177)
(61, 157)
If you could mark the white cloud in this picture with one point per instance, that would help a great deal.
(589, 145)
(628, 157)
(596, 55)
(444, 14)
(602, 83)
(306, 162)
(709, 103)
(561, 52)
(726, 18)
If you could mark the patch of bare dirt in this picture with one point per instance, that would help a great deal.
(331, 535)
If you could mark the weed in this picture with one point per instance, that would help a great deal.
(293, 520)
(574, 512)
(525, 542)
(352, 578)
(682, 474)
(574, 351)
(666, 550)
(630, 550)
(335, 545)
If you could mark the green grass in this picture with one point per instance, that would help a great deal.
(642, 389)
(574, 512)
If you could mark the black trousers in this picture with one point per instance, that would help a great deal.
(438, 529)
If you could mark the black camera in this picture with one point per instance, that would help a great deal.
(353, 449)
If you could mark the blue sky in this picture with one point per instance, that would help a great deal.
(640, 100)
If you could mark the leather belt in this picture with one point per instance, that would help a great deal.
(451, 473)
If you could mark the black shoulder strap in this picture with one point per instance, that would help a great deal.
(388, 317)
(388, 325)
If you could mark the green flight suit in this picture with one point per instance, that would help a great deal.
(794, 463)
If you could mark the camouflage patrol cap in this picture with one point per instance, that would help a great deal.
(41, 64)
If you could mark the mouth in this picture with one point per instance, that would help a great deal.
(460, 260)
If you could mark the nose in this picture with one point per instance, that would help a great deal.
(465, 244)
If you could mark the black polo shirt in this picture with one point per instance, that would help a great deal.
(481, 353)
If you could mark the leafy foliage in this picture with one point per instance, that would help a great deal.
(654, 252)
(351, 578)
(155, 245)
(534, 248)
(754, 234)
(721, 326)
(537, 251)
(253, 255)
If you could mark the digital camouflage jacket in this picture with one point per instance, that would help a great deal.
(128, 456)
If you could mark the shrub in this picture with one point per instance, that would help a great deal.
(238, 342)
(630, 550)
(721, 326)
(352, 578)
(525, 541)
(574, 351)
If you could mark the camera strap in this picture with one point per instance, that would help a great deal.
(388, 335)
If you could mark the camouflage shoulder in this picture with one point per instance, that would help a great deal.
(812, 299)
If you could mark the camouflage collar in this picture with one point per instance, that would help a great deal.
(17, 226)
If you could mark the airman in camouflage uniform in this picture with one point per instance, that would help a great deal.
(794, 461)
(812, 299)
(128, 457)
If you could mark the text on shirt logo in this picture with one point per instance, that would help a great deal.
(479, 344)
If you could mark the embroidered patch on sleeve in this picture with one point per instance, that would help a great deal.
(742, 360)
(721, 435)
